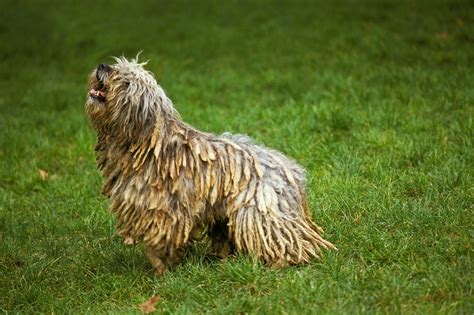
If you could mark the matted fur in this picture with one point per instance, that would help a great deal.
(166, 179)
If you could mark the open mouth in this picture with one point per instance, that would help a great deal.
(98, 91)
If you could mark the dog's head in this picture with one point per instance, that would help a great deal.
(124, 98)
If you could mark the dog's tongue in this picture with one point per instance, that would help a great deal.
(96, 93)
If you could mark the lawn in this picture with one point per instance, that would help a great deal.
(374, 98)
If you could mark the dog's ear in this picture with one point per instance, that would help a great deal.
(147, 111)
(141, 107)
(132, 108)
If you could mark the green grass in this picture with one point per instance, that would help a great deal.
(374, 98)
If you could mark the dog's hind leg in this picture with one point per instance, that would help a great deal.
(276, 240)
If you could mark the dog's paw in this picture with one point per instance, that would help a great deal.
(129, 241)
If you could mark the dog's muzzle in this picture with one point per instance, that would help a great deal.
(98, 90)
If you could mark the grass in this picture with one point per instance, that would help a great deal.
(374, 98)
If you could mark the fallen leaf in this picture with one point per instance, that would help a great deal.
(43, 174)
(149, 306)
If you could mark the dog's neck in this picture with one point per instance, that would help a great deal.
(117, 154)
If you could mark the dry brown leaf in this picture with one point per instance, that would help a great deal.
(149, 306)
(43, 174)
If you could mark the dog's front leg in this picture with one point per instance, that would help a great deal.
(166, 247)
(156, 259)
(221, 246)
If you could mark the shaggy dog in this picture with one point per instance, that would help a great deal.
(166, 180)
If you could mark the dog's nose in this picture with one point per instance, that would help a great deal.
(103, 67)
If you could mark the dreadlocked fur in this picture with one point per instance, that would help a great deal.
(166, 180)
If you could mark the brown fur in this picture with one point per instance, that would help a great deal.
(166, 180)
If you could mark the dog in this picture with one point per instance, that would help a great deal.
(167, 180)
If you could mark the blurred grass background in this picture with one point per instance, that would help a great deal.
(374, 98)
